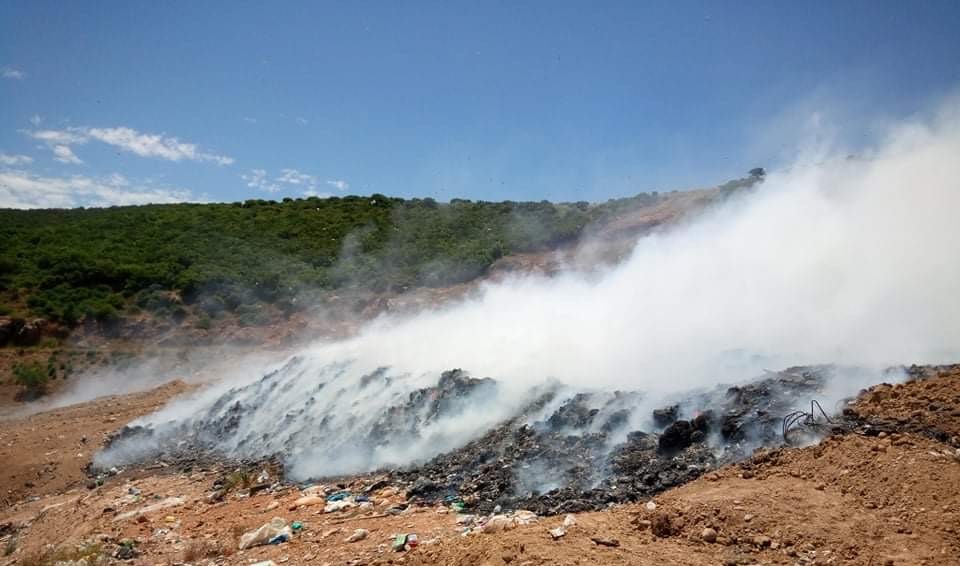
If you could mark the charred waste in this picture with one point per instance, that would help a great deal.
(560, 451)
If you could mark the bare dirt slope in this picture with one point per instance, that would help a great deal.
(47, 452)
(865, 498)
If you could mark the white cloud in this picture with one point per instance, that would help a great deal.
(294, 177)
(257, 179)
(22, 189)
(291, 178)
(339, 184)
(154, 145)
(59, 137)
(127, 139)
(249, 120)
(7, 159)
(11, 73)
(302, 120)
(64, 154)
(35, 120)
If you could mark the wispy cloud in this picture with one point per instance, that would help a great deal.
(249, 120)
(11, 73)
(64, 154)
(309, 185)
(7, 159)
(35, 120)
(294, 177)
(56, 137)
(258, 179)
(302, 121)
(22, 189)
(130, 140)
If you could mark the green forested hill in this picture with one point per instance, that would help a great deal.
(70, 264)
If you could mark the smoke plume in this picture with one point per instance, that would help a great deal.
(846, 260)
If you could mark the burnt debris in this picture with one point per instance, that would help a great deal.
(563, 451)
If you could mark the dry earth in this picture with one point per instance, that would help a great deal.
(888, 498)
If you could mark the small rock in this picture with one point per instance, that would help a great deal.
(569, 521)
(358, 535)
(762, 541)
(650, 506)
(557, 533)
(661, 526)
(611, 542)
(709, 535)
(747, 518)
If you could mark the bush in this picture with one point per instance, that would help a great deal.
(30, 376)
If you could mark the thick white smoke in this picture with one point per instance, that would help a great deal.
(849, 261)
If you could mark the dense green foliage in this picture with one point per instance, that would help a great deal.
(69, 265)
(30, 376)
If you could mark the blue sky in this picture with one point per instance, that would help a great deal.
(126, 102)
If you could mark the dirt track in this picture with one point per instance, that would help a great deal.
(854, 499)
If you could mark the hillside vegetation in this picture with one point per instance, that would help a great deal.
(210, 259)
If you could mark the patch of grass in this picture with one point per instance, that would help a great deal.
(238, 479)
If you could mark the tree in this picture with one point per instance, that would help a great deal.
(758, 172)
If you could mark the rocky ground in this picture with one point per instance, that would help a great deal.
(885, 490)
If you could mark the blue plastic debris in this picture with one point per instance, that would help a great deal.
(338, 496)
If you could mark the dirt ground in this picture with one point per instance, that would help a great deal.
(870, 500)
(45, 453)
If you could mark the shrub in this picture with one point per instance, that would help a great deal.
(30, 376)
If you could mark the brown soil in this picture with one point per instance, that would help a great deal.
(46, 453)
(853, 499)
(933, 402)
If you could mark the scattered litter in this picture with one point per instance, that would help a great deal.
(404, 542)
(338, 505)
(264, 534)
(338, 496)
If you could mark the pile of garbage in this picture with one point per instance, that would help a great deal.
(582, 454)
(557, 451)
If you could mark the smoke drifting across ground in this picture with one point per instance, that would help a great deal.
(850, 261)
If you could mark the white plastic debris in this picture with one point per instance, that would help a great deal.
(263, 535)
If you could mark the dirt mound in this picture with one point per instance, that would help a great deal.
(931, 401)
